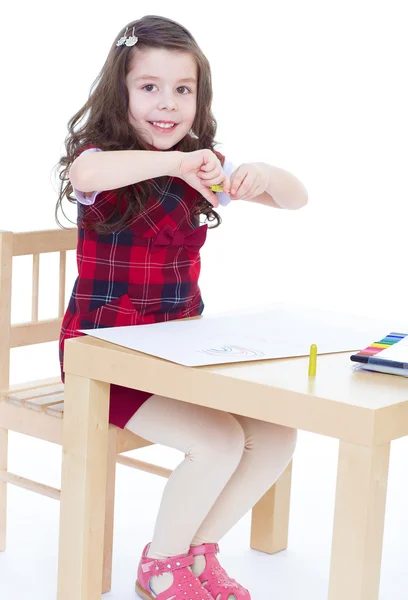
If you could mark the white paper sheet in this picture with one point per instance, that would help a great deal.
(276, 332)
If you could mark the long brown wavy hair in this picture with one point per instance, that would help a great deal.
(103, 120)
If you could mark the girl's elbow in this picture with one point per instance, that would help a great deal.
(302, 197)
(81, 176)
(297, 200)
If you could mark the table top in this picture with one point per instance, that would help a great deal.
(362, 407)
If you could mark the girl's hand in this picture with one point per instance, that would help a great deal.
(248, 181)
(200, 169)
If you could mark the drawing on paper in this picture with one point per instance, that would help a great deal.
(233, 351)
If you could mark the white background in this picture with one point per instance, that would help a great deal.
(318, 88)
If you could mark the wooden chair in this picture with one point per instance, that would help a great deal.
(36, 408)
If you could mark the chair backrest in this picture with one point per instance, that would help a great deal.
(32, 243)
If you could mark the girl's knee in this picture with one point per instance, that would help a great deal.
(270, 439)
(227, 436)
(225, 441)
(290, 439)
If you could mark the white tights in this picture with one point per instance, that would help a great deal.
(231, 462)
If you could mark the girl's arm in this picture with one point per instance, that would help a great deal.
(111, 170)
(283, 189)
(266, 184)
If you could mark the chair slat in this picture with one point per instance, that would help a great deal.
(56, 411)
(29, 484)
(44, 402)
(39, 242)
(31, 385)
(6, 261)
(51, 404)
(31, 394)
(36, 283)
(25, 334)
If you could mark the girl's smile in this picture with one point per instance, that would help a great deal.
(166, 127)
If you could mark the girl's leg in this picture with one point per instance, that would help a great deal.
(268, 450)
(213, 442)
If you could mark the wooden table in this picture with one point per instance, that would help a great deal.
(365, 411)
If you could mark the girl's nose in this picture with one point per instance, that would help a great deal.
(167, 105)
(168, 101)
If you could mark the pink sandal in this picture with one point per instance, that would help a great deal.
(186, 586)
(216, 577)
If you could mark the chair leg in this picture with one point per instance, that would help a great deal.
(3, 488)
(270, 516)
(109, 514)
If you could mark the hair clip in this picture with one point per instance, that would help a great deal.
(122, 40)
(132, 39)
(128, 41)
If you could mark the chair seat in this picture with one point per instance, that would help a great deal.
(46, 396)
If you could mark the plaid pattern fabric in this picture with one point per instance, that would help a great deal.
(147, 273)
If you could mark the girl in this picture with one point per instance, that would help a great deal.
(140, 162)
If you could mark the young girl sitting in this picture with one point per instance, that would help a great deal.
(140, 162)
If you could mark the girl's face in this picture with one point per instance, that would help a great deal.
(162, 87)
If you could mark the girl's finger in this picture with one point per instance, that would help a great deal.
(209, 195)
(210, 175)
(213, 177)
(215, 181)
(242, 189)
(226, 184)
(209, 166)
(237, 180)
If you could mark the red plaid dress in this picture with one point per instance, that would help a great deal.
(147, 273)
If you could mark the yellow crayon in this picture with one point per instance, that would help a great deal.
(216, 188)
(312, 360)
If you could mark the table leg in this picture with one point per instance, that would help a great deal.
(270, 516)
(83, 489)
(359, 522)
(109, 513)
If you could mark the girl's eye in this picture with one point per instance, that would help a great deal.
(182, 87)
